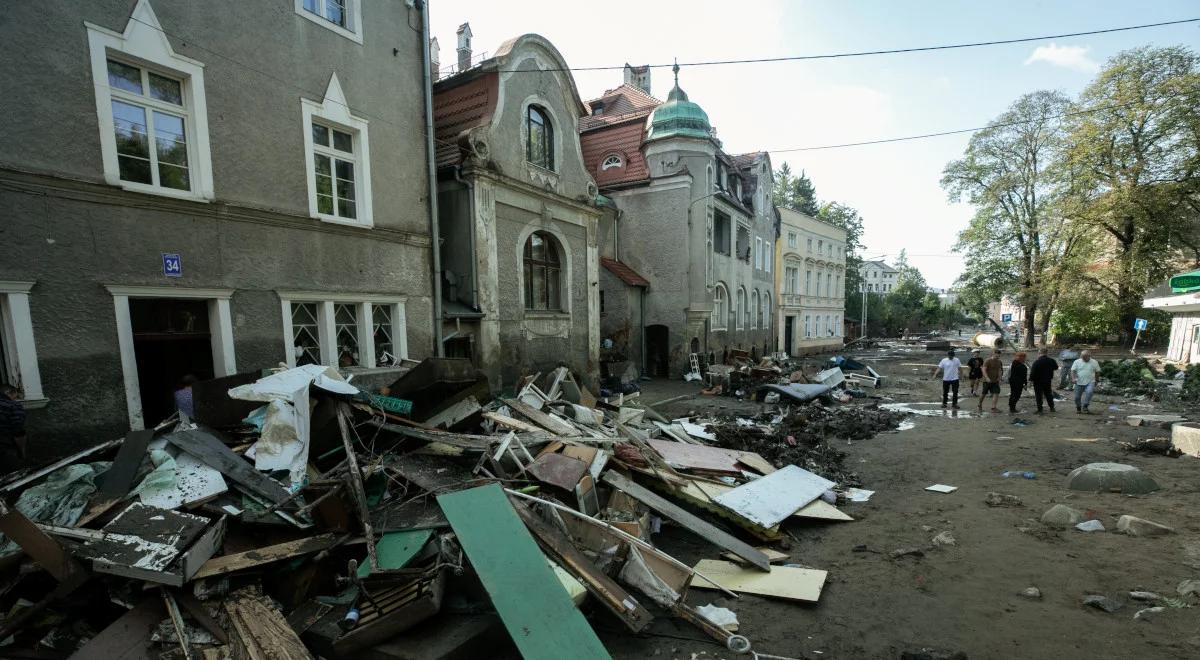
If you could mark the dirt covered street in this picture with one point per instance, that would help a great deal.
(967, 597)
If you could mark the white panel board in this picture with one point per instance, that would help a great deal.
(769, 500)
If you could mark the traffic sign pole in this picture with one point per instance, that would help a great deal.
(1135, 341)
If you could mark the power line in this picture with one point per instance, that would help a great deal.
(959, 131)
(893, 51)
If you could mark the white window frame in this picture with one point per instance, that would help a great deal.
(768, 256)
(220, 328)
(353, 11)
(144, 44)
(758, 253)
(327, 328)
(739, 323)
(807, 325)
(20, 350)
(808, 282)
(612, 161)
(720, 307)
(753, 306)
(792, 239)
(333, 111)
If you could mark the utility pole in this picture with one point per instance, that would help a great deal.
(863, 332)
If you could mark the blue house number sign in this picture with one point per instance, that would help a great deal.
(172, 265)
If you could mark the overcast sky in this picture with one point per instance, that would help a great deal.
(780, 106)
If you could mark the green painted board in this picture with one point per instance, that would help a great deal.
(536, 610)
(396, 549)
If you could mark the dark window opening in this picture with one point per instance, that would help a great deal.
(542, 273)
(721, 234)
(539, 146)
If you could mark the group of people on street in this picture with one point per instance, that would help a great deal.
(985, 377)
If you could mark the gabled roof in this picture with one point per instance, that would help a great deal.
(867, 265)
(624, 272)
(619, 104)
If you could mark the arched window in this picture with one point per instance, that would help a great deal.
(739, 310)
(753, 311)
(543, 272)
(611, 161)
(539, 144)
(766, 304)
(720, 318)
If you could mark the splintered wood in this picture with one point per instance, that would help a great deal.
(260, 631)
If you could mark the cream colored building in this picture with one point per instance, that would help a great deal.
(810, 261)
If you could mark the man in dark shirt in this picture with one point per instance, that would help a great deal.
(12, 429)
(975, 371)
(1041, 374)
(1018, 377)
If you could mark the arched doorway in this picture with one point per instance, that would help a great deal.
(658, 351)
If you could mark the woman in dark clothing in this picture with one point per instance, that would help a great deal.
(1018, 377)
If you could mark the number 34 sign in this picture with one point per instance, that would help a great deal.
(172, 265)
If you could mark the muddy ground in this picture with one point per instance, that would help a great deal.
(964, 598)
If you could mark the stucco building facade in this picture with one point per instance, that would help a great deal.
(811, 272)
(693, 222)
(205, 192)
(878, 277)
(518, 214)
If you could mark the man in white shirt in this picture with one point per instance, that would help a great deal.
(950, 367)
(1085, 373)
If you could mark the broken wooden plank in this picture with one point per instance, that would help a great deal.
(357, 492)
(20, 479)
(536, 610)
(47, 552)
(692, 523)
(209, 449)
(266, 555)
(127, 638)
(755, 462)
(802, 584)
(196, 609)
(769, 500)
(260, 631)
(774, 555)
(118, 478)
(605, 589)
(683, 456)
(509, 422)
(544, 420)
(177, 621)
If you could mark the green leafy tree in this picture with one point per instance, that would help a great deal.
(1018, 231)
(847, 218)
(795, 192)
(1134, 165)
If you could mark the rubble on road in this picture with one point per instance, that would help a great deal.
(298, 516)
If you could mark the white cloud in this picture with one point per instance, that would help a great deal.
(1069, 57)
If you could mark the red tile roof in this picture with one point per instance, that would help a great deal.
(624, 140)
(625, 273)
(459, 107)
(619, 104)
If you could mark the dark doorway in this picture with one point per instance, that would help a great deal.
(788, 324)
(658, 350)
(460, 347)
(170, 340)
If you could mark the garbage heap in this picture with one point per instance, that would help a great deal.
(297, 515)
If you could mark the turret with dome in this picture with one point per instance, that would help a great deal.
(678, 117)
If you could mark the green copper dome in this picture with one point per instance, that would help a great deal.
(678, 117)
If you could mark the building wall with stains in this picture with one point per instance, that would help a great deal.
(72, 233)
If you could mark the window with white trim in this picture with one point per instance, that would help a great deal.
(740, 309)
(766, 302)
(791, 239)
(150, 104)
(768, 256)
(807, 325)
(720, 315)
(752, 314)
(337, 159)
(808, 282)
(810, 245)
(343, 17)
(359, 330)
(18, 352)
(611, 162)
(758, 253)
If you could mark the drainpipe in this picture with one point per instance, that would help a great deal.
(431, 163)
(470, 185)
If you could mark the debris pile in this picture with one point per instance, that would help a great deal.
(298, 515)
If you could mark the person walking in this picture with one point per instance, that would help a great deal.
(975, 371)
(993, 368)
(951, 368)
(1018, 378)
(1085, 373)
(1041, 374)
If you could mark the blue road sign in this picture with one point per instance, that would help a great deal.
(1006, 318)
(172, 265)
(1139, 324)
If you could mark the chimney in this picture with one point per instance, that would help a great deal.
(638, 76)
(464, 47)
(435, 58)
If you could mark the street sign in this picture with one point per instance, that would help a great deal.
(172, 265)
(1139, 324)
(1006, 318)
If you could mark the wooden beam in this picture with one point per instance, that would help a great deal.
(605, 589)
(544, 420)
(269, 554)
(695, 525)
(357, 492)
(118, 479)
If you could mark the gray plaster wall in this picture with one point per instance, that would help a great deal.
(620, 321)
(70, 233)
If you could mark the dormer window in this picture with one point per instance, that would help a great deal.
(597, 109)
(611, 161)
